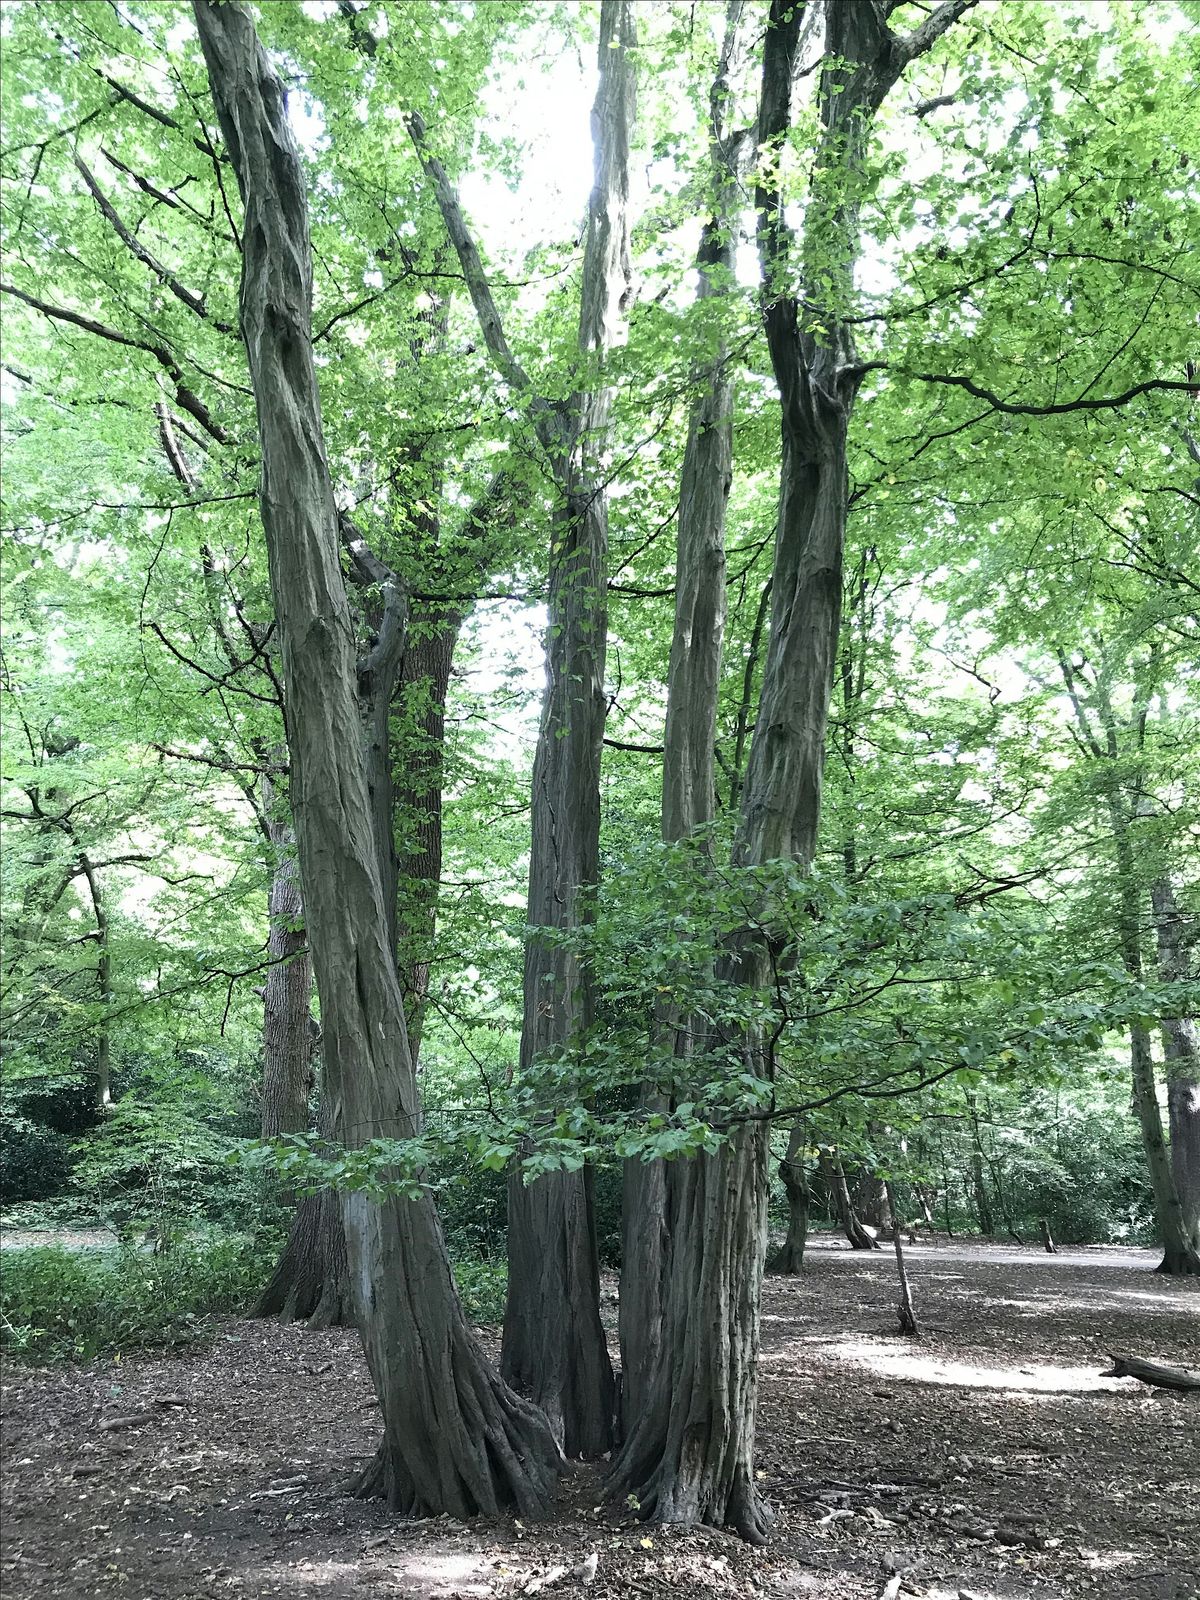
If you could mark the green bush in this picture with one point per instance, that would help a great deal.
(69, 1305)
(482, 1286)
(35, 1160)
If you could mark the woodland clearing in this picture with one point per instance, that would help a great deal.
(988, 1458)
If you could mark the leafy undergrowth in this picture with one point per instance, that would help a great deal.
(482, 1284)
(58, 1304)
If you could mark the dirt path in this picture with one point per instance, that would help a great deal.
(989, 1459)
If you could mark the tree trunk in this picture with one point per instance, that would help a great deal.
(287, 992)
(104, 992)
(690, 1455)
(790, 1257)
(424, 683)
(1181, 1053)
(311, 1282)
(1048, 1243)
(693, 684)
(982, 1203)
(848, 1218)
(1180, 1254)
(554, 1344)
(456, 1439)
(905, 1310)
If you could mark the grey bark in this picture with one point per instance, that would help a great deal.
(456, 1439)
(848, 1218)
(693, 684)
(1181, 1053)
(690, 1456)
(554, 1345)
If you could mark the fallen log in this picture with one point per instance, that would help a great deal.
(1158, 1377)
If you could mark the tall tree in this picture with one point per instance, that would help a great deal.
(689, 1456)
(455, 1437)
(693, 685)
(554, 1345)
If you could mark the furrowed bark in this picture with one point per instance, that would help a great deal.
(456, 1439)
(690, 1455)
(693, 683)
(554, 1344)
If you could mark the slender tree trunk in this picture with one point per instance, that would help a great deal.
(424, 683)
(905, 1310)
(554, 1344)
(1181, 1052)
(790, 1257)
(693, 684)
(983, 1206)
(848, 1218)
(456, 1439)
(104, 991)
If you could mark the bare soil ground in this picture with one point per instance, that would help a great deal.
(987, 1459)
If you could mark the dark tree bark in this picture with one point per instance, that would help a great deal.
(456, 1439)
(554, 1345)
(983, 1205)
(424, 683)
(311, 1281)
(689, 1457)
(693, 683)
(905, 1310)
(1181, 1053)
(789, 1259)
(848, 1218)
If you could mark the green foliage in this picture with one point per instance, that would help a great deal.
(482, 1285)
(68, 1305)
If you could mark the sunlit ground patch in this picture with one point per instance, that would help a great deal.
(917, 1368)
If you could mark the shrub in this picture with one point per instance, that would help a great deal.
(35, 1161)
(482, 1286)
(64, 1305)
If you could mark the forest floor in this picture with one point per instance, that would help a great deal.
(987, 1460)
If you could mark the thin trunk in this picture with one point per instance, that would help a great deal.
(1181, 1053)
(424, 683)
(982, 1203)
(104, 991)
(554, 1345)
(1048, 1243)
(693, 684)
(456, 1439)
(848, 1217)
(905, 1310)
(790, 1257)
(1098, 727)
